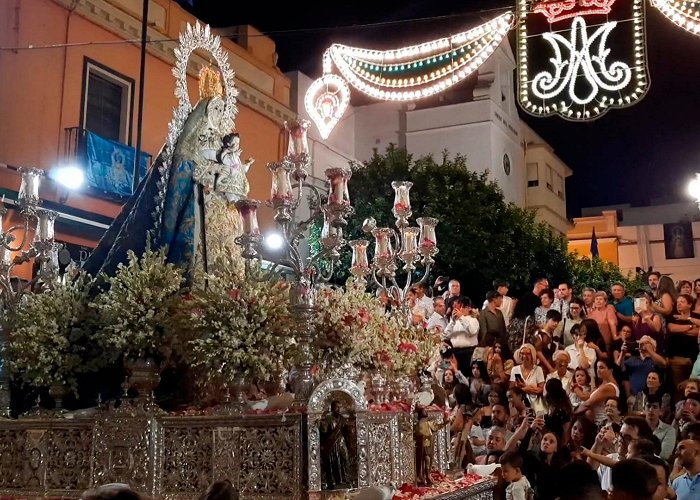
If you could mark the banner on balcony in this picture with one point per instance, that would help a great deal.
(110, 165)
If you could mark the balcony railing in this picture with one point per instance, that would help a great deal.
(108, 164)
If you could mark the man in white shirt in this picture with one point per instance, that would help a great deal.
(582, 355)
(561, 304)
(463, 332)
(437, 320)
(423, 300)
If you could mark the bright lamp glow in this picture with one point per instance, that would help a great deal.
(69, 176)
(273, 241)
(694, 188)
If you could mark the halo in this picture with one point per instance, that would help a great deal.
(193, 38)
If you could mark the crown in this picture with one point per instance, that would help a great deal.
(210, 83)
(559, 10)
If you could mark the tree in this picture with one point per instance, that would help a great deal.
(600, 275)
(480, 236)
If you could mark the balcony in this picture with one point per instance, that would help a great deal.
(108, 164)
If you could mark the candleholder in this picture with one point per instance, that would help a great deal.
(407, 245)
(16, 249)
(289, 188)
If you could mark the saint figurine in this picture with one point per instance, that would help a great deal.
(335, 455)
(183, 204)
(425, 431)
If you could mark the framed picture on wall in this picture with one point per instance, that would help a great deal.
(678, 240)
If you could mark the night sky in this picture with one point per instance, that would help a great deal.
(644, 154)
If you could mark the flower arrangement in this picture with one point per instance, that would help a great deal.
(353, 328)
(136, 312)
(237, 328)
(48, 335)
(345, 318)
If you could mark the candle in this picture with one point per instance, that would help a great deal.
(29, 187)
(359, 265)
(328, 230)
(427, 232)
(5, 255)
(298, 143)
(281, 182)
(338, 186)
(409, 240)
(45, 225)
(402, 199)
(248, 210)
(382, 243)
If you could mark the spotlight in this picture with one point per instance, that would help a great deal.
(273, 241)
(69, 176)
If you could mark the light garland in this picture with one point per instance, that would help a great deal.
(682, 13)
(566, 9)
(579, 83)
(419, 71)
(326, 101)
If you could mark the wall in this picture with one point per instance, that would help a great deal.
(41, 88)
(632, 246)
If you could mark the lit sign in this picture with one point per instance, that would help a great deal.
(580, 58)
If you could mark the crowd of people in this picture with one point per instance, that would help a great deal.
(606, 384)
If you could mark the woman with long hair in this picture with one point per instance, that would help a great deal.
(607, 388)
(542, 464)
(654, 387)
(559, 410)
(594, 339)
(479, 383)
(583, 433)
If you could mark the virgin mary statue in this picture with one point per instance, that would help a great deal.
(184, 204)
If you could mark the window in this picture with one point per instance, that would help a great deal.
(532, 175)
(549, 172)
(559, 185)
(107, 102)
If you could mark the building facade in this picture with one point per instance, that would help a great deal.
(663, 237)
(74, 68)
(477, 119)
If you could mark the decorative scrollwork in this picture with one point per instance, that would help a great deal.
(187, 457)
(325, 388)
(584, 62)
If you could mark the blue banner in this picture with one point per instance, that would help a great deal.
(110, 165)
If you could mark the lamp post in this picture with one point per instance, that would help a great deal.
(42, 248)
(288, 189)
(694, 188)
(411, 245)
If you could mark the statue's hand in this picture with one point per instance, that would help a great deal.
(248, 163)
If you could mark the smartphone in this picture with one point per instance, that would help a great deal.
(519, 378)
(641, 304)
(528, 405)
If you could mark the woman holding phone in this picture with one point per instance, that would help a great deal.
(607, 389)
(527, 375)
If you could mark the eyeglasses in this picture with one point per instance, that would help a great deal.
(626, 438)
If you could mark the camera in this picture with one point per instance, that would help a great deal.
(632, 347)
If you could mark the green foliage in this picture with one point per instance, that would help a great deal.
(600, 274)
(481, 237)
(137, 310)
(49, 336)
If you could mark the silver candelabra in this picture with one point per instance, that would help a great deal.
(14, 252)
(288, 189)
(410, 245)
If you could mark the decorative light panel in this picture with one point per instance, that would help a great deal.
(681, 12)
(580, 58)
(418, 71)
